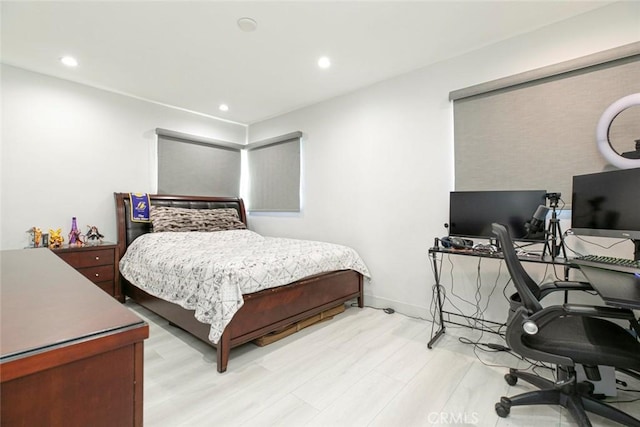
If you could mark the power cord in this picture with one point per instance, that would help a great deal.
(389, 310)
(477, 316)
(590, 243)
(492, 347)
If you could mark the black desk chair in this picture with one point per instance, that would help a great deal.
(565, 336)
(539, 292)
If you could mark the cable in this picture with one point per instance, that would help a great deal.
(504, 290)
(453, 283)
(476, 320)
(497, 348)
(495, 284)
(591, 243)
(479, 317)
(391, 311)
(445, 297)
(491, 347)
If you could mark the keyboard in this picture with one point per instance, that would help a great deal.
(608, 263)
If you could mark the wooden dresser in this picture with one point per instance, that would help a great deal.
(70, 354)
(98, 263)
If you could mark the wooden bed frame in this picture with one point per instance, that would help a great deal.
(263, 312)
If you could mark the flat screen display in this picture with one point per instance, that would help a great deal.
(471, 213)
(607, 204)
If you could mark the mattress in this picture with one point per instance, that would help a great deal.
(210, 271)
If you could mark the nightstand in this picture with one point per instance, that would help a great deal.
(98, 263)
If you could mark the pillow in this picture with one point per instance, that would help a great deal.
(183, 219)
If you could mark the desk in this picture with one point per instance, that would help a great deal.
(70, 354)
(616, 288)
(433, 253)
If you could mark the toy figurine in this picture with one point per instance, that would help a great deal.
(37, 235)
(31, 237)
(55, 238)
(75, 238)
(93, 234)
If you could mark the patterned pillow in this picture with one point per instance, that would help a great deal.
(183, 219)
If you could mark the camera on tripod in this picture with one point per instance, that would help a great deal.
(553, 197)
(554, 232)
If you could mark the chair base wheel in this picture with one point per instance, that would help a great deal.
(511, 379)
(502, 410)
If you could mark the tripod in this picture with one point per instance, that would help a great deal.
(554, 230)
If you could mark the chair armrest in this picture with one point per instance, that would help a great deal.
(514, 333)
(572, 285)
(547, 314)
(530, 323)
(598, 311)
(564, 285)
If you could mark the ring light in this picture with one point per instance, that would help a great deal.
(602, 132)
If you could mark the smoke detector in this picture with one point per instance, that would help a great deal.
(247, 24)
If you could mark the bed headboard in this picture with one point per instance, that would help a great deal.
(129, 230)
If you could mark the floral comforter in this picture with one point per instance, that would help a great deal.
(208, 272)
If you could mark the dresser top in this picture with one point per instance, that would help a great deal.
(45, 303)
(85, 247)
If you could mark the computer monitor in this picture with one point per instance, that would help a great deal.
(607, 204)
(471, 213)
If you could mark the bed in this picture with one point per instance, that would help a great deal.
(262, 312)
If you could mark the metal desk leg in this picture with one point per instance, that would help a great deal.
(439, 302)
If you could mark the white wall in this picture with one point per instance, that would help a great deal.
(378, 163)
(66, 148)
(377, 170)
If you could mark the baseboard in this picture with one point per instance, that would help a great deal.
(399, 307)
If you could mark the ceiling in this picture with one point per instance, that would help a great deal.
(193, 55)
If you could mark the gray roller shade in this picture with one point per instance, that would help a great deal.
(190, 165)
(274, 174)
(537, 129)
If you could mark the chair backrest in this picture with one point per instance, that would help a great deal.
(526, 287)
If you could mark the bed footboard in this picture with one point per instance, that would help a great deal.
(263, 312)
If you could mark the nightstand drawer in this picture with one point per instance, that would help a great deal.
(96, 262)
(98, 274)
(83, 259)
(108, 287)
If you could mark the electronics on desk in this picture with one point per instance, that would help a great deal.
(486, 248)
(456, 243)
(607, 204)
(537, 222)
(471, 213)
(460, 243)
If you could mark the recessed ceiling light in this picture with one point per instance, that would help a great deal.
(324, 62)
(223, 107)
(69, 61)
(247, 24)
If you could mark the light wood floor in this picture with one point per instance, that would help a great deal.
(363, 368)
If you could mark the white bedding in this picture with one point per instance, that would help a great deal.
(209, 272)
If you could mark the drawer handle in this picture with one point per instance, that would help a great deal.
(97, 275)
(97, 258)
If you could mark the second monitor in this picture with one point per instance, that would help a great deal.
(471, 213)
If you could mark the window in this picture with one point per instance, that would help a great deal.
(191, 165)
(274, 174)
(538, 129)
